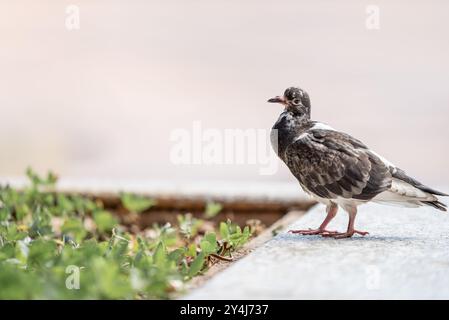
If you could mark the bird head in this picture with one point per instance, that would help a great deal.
(295, 100)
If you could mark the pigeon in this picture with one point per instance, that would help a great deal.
(339, 170)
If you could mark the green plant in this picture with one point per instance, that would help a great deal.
(62, 246)
(212, 209)
(136, 203)
(233, 235)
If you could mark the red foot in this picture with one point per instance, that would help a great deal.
(347, 234)
(310, 232)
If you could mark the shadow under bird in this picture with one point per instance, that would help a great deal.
(339, 170)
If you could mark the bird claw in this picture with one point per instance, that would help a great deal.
(344, 235)
(311, 231)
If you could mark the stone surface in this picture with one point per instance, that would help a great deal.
(406, 256)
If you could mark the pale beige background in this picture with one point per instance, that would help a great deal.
(101, 101)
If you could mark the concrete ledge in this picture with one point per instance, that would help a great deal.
(406, 256)
(269, 191)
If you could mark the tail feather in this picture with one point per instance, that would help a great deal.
(432, 191)
(436, 204)
(408, 192)
(401, 175)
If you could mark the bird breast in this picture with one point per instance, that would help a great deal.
(283, 133)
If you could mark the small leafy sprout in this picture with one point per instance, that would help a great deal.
(37, 181)
(188, 225)
(233, 235)
(208, 244)
(104, 220)
(136, 203)
(212, 209)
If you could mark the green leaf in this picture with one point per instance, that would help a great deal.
(160, 255)
(104, 220)
(7, 251)
(52, 178)
(224, 230)
(120, 250)
(177, 254)
(197, 265)
(22, 210)
(191, 251)
(65, 205)
(209, 243)
(107, 280)
(14, 234)
(74, 227)
(41, 252)
(211, 237)
(41, 224)
(36, 180)
(212, 209)
(5, 213)
(17, 284)
(188, 225)
(136, 203)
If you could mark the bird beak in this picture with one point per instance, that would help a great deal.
(277, 99)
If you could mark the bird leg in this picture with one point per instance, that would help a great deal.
(351, 231)
(331, 212)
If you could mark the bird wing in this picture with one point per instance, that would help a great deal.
(333, 164)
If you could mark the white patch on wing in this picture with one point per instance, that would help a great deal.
(321, 126)
(405, 189)
(385, 161)
(401, 191)
(301, 136)
(316, 126)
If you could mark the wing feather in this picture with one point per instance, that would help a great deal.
(332, 164)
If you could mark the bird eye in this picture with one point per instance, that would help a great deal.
(296, 101)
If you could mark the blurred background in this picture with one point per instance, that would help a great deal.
(100, 102)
